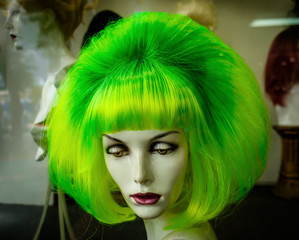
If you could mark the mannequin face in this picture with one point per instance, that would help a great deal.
(148, 167)
(23, 27)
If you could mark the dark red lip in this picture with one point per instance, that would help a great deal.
(146, 199)
(13, 37)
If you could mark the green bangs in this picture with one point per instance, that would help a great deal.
(142, 96)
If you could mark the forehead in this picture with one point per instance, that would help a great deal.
(24, 6)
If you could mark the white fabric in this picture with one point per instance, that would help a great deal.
(48, 93)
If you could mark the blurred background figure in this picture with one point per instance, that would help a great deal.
(45, 27)
(41, 30)
(282, 73)
(201, 11)
(37, 55)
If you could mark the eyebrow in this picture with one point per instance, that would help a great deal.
(112, 138)
(152, 139)
(163, 135)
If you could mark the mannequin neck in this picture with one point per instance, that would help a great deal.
(154, 228)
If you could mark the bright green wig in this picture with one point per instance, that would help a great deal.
(160, 71)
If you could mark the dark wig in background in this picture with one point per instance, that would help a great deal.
(98, 23)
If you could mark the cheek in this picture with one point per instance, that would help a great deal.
(30, 30)
(168, 172)
(119, 171)
(178, 180)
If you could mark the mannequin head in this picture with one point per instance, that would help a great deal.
(155, 73)
(24, 27)
(147, 156)
(28, 20)
(282, 69)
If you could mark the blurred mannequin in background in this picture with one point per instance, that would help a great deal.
(282, 74)
(45, 27)
(201, 11)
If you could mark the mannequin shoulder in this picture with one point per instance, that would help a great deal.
(204, 232)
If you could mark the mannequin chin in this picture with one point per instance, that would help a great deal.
(138, 162)
(24, 28)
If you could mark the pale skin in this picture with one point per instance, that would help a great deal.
(151, 162)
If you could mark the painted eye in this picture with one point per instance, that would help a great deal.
(117, 151)
(164, 148)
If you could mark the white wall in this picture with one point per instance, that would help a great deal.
(22, 180)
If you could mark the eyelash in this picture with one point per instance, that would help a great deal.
(165, 151)
(171, 148)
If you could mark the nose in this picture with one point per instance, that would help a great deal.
(8, 23)
(143, 173)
